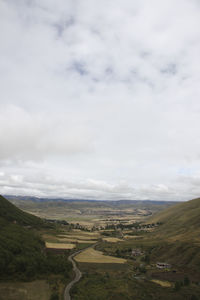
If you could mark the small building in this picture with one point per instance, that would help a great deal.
(161, 265)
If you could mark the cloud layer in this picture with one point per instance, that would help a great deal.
(100, 100)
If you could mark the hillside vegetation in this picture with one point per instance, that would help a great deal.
(178, 236)
(10, 213)
(22, 252)
(180, 222)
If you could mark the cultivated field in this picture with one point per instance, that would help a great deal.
(112, 239)
(90, 213)
(93, 256)
(133, 237)
(70, 238)
(79, 241)
(59, 246)
(162, 283)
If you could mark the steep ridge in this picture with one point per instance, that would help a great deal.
(10, 213)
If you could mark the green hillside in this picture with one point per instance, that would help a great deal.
(11, 213)
(181, 221)
(22, 252)
(178, 236)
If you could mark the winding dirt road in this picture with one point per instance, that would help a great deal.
(78, 275)
(77, 272)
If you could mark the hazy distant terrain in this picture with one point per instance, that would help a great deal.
(90, 213)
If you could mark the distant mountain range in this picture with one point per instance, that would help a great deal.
(114, 202)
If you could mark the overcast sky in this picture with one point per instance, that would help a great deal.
(100, 99)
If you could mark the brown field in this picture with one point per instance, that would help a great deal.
(85, 232)
(93, 256)
(133, 236)
(112, 239)
(80, 237)
(59, 246)
(162, 283)
(76, 241)
(75, 236)
(25, 290)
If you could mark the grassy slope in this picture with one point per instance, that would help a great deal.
(181, 221)
(179, 236)
(11, 213)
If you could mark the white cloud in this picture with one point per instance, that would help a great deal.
(26, 136)
(107, 91)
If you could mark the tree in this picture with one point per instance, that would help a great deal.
(54, 296)
(186, 281)
(177, 286)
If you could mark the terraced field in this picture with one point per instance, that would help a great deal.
(59, 246)
(162, 283)
(93, 256)
(69, 239)
(112, 239)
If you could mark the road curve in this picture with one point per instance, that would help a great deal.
(78, 275)
(77, 272)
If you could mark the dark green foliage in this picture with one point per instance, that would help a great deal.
(142, 269)
(22, 252)
(146, 259)
(177, 286)
(11, 213)
(186, 281)
(122, 285)
(54, 296)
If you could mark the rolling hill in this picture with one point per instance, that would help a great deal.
(11, 213)
(181, 221)
(177, 238)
